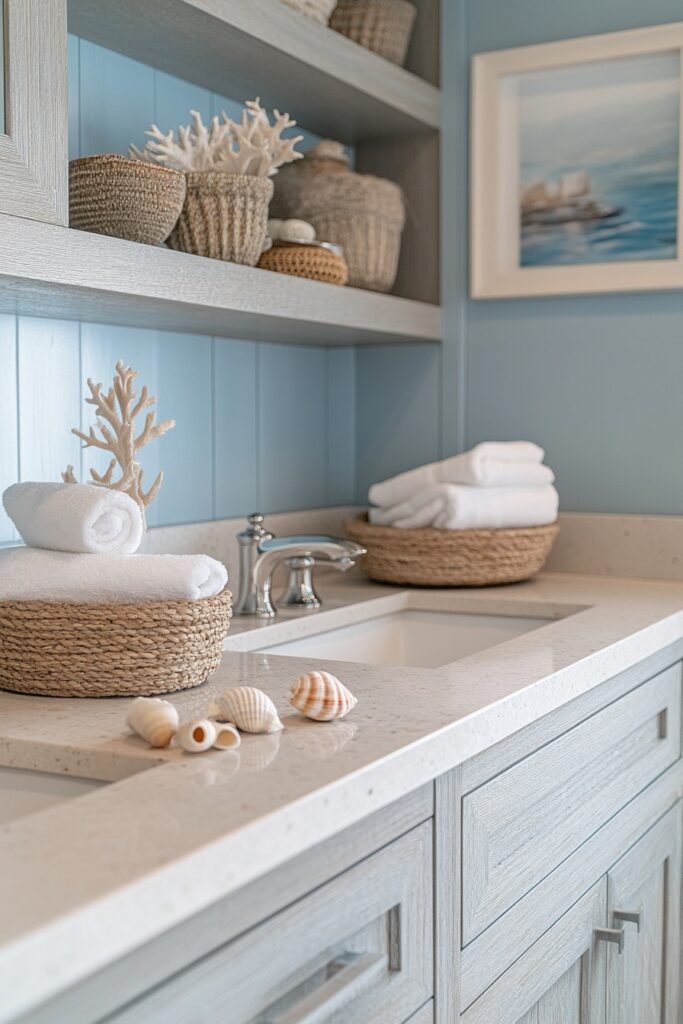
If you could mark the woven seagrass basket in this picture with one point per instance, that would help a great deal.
(452, 558)
(311, 261)
(225, 216)
(360, 212)
(319, 10)
(111, 195)
(111, 650)
(383, 26)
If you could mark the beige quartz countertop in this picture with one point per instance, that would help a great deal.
(90, 879)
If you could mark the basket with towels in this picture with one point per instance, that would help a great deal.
(483, 517)
(81, 614)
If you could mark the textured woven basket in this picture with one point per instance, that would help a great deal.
(383, 26)
(225, 216)
(452, 558)
(319, 10)
(111, 650)
(111, 195)
(361, 213)
(309, 261)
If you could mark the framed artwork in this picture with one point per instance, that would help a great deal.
(576, 161)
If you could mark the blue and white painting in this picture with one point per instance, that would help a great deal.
(599, 161)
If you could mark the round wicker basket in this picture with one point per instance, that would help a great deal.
(225, 216)
(360, 212)
(311, 261)
(452, 558)
(111, 650)
(112, 195)
(319, 10)
(383, 26)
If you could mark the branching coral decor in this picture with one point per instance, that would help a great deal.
(116, 413)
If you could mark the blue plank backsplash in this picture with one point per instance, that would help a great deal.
(258, 425)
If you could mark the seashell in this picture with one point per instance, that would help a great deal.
(197, 736)
(154, 719)
(227, 736)
(296, 231)
(320, 696)
(251, 710)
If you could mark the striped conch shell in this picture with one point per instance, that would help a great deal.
(320, 696)
(251, 710)
(154, 719)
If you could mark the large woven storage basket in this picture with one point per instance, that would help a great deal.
(111, 650)
(383, 26)
(318, 10)
(360, 212)
(452, 558)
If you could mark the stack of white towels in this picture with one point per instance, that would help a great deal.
(496, 485)
(81, 542)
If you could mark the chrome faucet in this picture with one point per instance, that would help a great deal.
(261, 553)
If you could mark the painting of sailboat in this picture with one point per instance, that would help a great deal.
(599, 161)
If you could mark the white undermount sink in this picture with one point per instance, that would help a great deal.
(415, 638)
(27, 792)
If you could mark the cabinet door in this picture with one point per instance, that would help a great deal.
(559, 980)
(643, 982)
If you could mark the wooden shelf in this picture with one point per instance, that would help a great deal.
(247, 48)
(52, 271)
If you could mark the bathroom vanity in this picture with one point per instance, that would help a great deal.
(493, 841)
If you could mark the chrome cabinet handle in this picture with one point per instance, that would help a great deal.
(627, 916)
(615, 935)
(355, 974)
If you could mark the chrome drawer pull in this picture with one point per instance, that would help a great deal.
(615, 935)
(630, 917)
(356, 973)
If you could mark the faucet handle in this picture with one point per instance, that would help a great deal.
(255, 531)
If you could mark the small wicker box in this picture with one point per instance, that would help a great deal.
(111, 650)
(316, 262)
(383, 26)
(452, 558)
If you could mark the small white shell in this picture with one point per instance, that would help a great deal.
(197, 736)
(154, 719)
(274, 226)
(320, 696)
(296, 231)
(251, 710)
(227, 736)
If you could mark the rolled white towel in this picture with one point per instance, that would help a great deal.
(75, 517)
(29, 574)
(460, 507)
(490, 464)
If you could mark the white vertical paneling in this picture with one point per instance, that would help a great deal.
(48, 364)
(9, 441)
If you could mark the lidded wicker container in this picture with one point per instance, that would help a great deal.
(322, 262)
(318, 10)
(363, 214)
(383, 26)
(113, 195)
(111, 650)
(452, 558)
(225, 216)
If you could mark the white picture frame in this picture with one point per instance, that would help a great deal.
(502, 240)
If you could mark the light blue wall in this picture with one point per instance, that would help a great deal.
(258, 425)
(596, 380)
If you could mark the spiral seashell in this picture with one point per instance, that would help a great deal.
(296, 231)
(227, 736)
(320, 696)
(250, 709)
(197, 736)
(154, 719)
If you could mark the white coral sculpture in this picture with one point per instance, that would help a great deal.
(250, 146)
(116, 413)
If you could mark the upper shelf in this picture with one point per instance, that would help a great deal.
(52, 271)
(247, 48)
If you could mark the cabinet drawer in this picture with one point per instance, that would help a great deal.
(519, 826)
(355, 950)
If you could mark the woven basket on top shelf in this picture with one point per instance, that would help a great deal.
(316, 262)
(383, 26)
(111, 650)
(318, 10)
(452, 558)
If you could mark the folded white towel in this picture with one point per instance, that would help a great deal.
(490, 464)
(459, 507)
(29, 574)
(75, 517)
